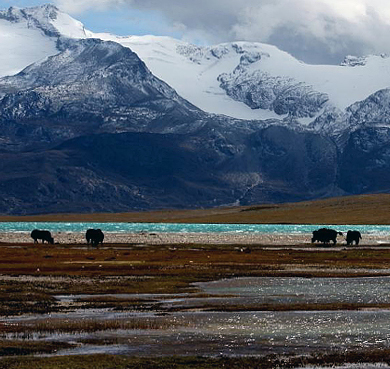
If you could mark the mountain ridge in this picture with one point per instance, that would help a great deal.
(212, 78)
(91, 128)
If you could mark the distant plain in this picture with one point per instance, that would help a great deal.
(363, 209)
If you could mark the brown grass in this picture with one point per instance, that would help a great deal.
(186, 261)
(87, 325)
(197, 262)
(13, 348)
(264, 362)
(364, 209)
(156, 269)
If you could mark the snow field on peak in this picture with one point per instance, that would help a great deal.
(196, 81)
(21, 46)
(195, 77)
(343, 84)
(23, 42)
(191, 70)
(70, 27)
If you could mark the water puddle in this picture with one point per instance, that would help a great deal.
(361, 290)
(350, 366)
(94, 349)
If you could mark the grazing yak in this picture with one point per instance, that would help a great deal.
(325, 235)
(353, 236)
(94, 236)
(38, 234)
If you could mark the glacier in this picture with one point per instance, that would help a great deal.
(218, 79)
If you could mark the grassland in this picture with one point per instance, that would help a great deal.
(130, 269)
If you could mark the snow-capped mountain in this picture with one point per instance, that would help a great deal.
(28, 35)
(263, 81)
(99, 85)
(96, 122)
(241, 79)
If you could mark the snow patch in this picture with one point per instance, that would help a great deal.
(21, 46)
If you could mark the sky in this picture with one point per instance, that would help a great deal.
(314, 31)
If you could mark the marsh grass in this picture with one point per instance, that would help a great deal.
(56, 326)
(16, 348)
(160, 271)
(119, 304)
(264, 362)
(19, 297)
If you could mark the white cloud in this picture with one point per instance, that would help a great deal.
(80, 6)
(313, 30)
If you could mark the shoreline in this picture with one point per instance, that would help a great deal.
(165, 238)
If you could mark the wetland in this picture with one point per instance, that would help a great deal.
(193, 305)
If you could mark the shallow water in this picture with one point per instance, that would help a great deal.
(234, 333)
(351, 366)
(367, 290)
(242, 333)
(248, 292)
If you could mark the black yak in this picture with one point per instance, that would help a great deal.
(94, 236)
(325, 235)
(38, 234)
(353, 236)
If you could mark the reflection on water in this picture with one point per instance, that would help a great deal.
(251, 292)
(239, 333)
(372, 290)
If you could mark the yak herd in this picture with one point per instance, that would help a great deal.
(96, 236)
(93, 236)
(326, 235)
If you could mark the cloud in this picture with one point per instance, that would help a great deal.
(317, 31)
(312, 30)
(80, 6)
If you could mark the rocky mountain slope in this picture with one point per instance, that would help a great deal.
(93, 126)
(93, 86)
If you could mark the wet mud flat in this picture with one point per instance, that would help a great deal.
(263, 307)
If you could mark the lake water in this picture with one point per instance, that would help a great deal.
(187, 228)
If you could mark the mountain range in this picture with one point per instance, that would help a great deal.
(96, 122)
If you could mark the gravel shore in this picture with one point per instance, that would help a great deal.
(195, 238)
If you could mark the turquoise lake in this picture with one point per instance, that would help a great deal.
(187, 228)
